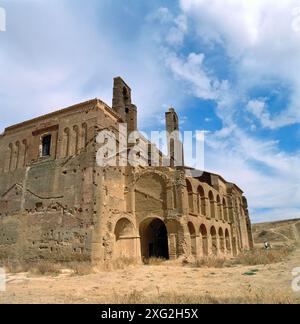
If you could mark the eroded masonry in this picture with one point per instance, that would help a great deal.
(56, 202)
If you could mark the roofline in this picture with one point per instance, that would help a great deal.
(97, 102)
(224, 180)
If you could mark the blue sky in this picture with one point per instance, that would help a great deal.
(229, 67)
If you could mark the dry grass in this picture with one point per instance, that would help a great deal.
(117, 264)
(250, 297)
(256, 256)
(80, 268)
(36, 268)
(211, 262)
(262, 257)
(54, 268)
(45, 268)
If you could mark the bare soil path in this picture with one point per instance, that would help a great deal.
(150, 281)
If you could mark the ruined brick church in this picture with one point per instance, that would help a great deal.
(57, 203)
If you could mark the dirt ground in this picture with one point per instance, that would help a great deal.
(271, 282)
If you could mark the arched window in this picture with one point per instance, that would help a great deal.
(190, 196)
(212, 205)
(201, 201)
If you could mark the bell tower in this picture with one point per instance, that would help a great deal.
(122, 104)
(175, 147)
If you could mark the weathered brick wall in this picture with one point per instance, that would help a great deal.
(47, 204)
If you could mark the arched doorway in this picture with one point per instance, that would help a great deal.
(154, 239)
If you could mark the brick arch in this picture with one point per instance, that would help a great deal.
(125, 234)
(153, 232)
(192, 232)
(204, 239)
(146, 172)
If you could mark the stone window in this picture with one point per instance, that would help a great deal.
(46, 145)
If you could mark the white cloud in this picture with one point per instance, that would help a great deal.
(192, 70)
(46, 66)
(259, 38)
(261, 44)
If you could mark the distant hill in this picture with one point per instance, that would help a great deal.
(278, 232)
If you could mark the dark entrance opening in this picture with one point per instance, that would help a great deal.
(154, 239)
(46, 145)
